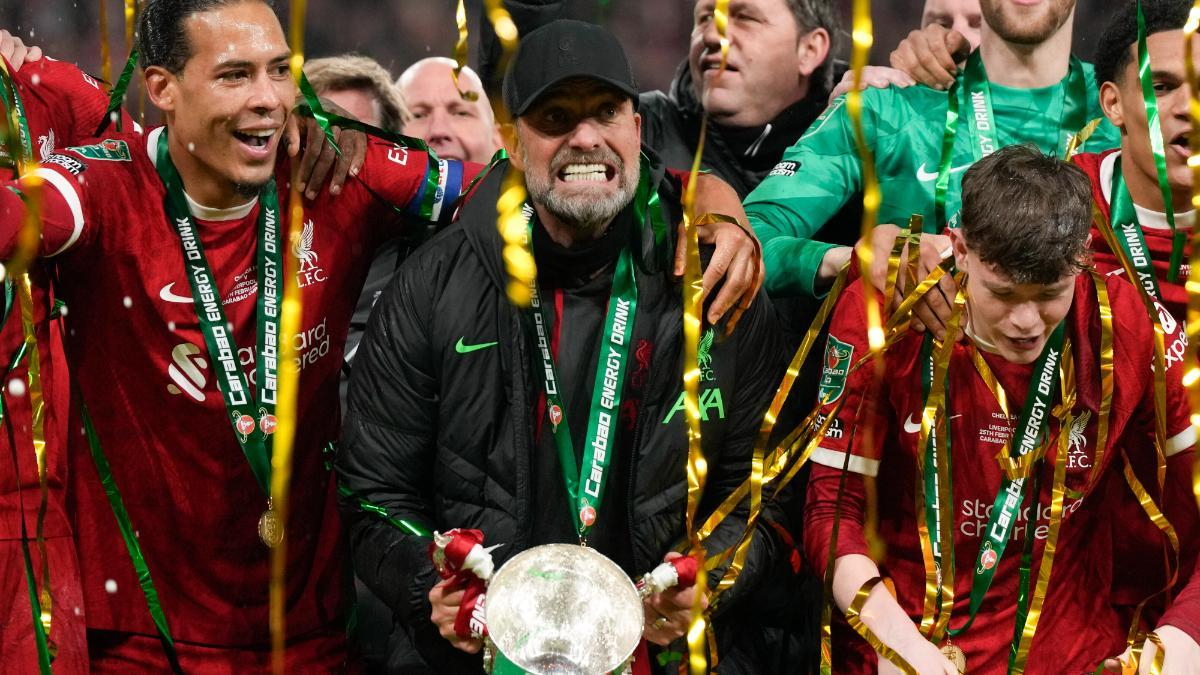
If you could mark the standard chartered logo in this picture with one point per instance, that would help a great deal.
(187, 371)
(189, 367)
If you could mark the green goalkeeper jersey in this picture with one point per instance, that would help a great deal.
(904, 129)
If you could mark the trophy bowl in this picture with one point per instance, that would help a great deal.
(562, 609)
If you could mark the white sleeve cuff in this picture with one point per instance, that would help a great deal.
(836, 459)
(71, 196)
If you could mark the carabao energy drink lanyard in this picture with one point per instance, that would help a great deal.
(985, 136)
(253, 420)
(1031, 431)
(585, 486)
(1124, 217)
(1133, 241)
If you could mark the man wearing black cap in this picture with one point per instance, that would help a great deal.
(467, 412)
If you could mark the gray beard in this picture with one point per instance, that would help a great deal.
(586, 216)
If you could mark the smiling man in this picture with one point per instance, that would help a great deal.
(1031, 318)
(468, 412)
(172, 243)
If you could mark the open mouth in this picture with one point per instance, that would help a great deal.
(1182, 140)
(1025, 342)
(714, 64)
(597, 173)
(255, 138)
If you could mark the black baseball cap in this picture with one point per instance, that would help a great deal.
(561, 50)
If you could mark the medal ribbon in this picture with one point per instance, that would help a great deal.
(1030, 435)
(253, 421)
(984, 132)
(1133, 241)
(1156, 144)
(1029, 614)
(585, 486)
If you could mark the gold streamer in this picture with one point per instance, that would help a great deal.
(105, 51)
(721, 20)
(863, 38)
(460, 52)
(25, 165)
(38, 431)
(1082, 137)
(518, 257)
(853, 614)
(1058, 492)
(758, 473)
(693, 305)
(938, 582)
(1191, 378)
(1160, 367)
(1107, 375)
(780, 458)
(131, 12)
(697, 467)
(288, 380)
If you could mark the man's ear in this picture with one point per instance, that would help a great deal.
(959, 243)
(1110, 103)
(162, 88)
(497, 137)
(508, 135)
(812, 50)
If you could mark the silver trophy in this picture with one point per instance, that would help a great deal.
(562, 609)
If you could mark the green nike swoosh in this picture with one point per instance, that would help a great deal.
(467, 349)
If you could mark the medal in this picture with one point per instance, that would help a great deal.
(954, 654)
(270, 529)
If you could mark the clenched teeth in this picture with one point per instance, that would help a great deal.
(578, 172)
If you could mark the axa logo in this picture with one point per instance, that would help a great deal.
(187, 371)
(310, 271)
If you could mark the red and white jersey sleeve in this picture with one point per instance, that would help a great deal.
(409, 184)
(851, 396)
(64, 105)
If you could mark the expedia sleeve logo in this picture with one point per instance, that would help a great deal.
(837, 367)
(785, 169)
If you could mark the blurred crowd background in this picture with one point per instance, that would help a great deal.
(398, 32)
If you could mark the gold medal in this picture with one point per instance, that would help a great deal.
(955, 655)
(270, 529)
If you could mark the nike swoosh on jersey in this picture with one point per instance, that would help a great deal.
(910, 426)
(467, 349)
(168, 295)
(925, 176)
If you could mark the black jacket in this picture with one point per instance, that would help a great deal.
(742, 157)
(446, 439)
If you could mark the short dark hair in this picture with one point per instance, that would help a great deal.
(1118, 42)
(811, 15)
(161, 38)
(1028, 214)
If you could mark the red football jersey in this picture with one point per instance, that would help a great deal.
(1099, 167)
(140, 361)
(62, 105)
(1078, 627)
